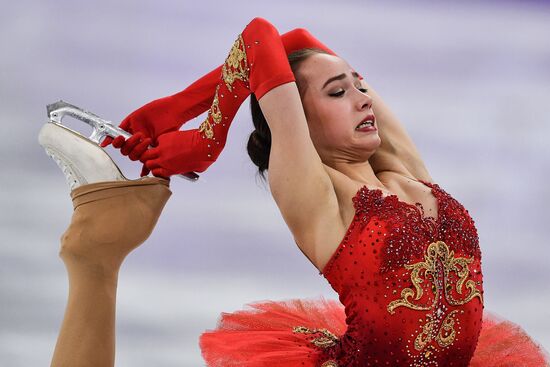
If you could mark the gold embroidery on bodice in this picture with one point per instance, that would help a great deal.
(439, 269)
(325, 340)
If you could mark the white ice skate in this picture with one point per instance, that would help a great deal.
(82, 161)
(81, 158)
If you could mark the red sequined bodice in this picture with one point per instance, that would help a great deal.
(411, 285)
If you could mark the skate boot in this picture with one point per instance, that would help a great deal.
(81, 160)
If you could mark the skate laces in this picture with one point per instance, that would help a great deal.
(70, 176)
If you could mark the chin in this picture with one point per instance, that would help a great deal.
(373, 143)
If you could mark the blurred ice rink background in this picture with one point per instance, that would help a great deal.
(470, 80)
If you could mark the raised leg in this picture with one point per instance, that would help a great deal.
(110, 219)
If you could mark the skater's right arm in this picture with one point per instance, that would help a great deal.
(297, 178)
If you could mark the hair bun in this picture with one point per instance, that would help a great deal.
(258, 148)
(260, 137)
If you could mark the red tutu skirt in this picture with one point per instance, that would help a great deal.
(278, 334)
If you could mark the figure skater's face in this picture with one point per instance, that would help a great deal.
(336, 102)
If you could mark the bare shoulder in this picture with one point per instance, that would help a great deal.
(300, 185)
(328, 220)
(312, 203)
(319, 239)
(344, 187)
(405, 163)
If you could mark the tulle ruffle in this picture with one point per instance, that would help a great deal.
(502, 343)
(265, 334)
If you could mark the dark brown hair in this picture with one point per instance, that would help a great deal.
(259, 141)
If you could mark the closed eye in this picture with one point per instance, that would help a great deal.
(341, 92)
(337, 94)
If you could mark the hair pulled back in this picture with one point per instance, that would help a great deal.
(259, 141)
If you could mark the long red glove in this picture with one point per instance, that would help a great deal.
(169, 113)
(256, 64)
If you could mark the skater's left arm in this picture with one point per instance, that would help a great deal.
(397, 152)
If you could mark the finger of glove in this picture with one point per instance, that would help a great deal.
(161, 172)
(126, 125)
(149, 154)
(131, 143)
(139, 149)
(118, 142)
(144, 171)
(106, 141)
(152, 164)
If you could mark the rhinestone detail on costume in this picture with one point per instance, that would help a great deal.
(326, 339)
(437, 267)
(411, 285)
(321, 338)
(434, 279)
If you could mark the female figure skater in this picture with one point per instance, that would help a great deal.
(402, 254)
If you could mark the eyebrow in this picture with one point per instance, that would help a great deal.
(339, 77)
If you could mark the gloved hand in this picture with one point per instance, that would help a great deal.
(256, 63)
(133, 147)
(169, 113)
(300, 38)
(171, 155)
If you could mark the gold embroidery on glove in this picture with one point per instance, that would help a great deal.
(235, 65)
(206, 127)
(330, 363)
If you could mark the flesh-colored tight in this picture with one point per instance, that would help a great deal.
(110, 219)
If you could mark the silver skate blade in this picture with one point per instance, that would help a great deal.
(100, 128)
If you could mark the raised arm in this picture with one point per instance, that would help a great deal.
(298, 180)
(257, 63)
(397, 152)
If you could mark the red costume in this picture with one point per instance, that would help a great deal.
(411, 285)
(412, 290)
